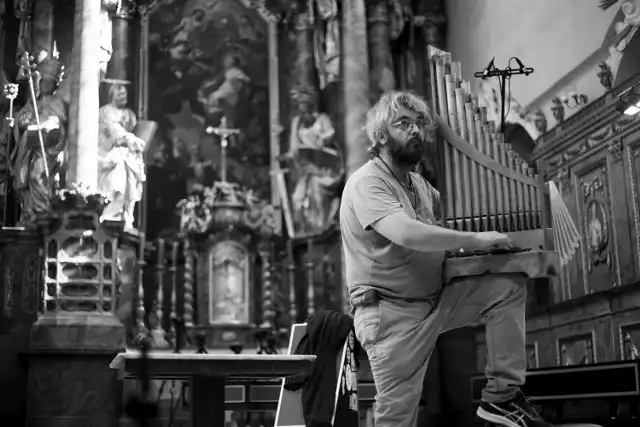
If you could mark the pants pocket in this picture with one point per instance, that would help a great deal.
(367, 322)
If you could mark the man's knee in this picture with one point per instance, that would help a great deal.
(398, 391)
(509, 286)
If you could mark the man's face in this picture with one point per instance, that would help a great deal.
(407, 133)
(120, 96)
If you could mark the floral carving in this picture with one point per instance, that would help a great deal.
(596, 223)
(227, 204)
(78, 197)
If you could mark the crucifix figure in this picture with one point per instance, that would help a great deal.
(224, 132)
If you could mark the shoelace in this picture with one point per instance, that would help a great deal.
(527, 409)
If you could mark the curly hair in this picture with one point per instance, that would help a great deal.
(390, 103)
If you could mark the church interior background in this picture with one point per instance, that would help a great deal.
(182, 174)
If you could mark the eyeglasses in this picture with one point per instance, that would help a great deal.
(406, 124)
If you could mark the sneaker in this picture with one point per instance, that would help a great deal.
(517, 412)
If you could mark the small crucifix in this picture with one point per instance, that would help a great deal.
(224, 132)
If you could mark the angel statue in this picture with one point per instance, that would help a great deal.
(41, 134)
(317, 163)
(121, 168)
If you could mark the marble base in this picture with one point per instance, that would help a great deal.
(73, 390)
(78, 332)
(70, 383)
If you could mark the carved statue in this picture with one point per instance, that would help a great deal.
(327, 42)
(557, 109)
(121, 155)
(605, 76)
(35, 175)
(318, 165)
(540, 121)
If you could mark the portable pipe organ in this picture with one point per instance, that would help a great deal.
(484, 185)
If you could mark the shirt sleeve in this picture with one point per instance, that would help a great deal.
(373, 199)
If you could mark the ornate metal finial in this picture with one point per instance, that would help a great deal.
(10, 91)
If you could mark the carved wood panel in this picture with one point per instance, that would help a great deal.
(592, 186)
(633, 161)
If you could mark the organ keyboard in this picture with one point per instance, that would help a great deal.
(484, 185)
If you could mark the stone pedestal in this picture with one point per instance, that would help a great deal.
(20, 282)
(78, 333)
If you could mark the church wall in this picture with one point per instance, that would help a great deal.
(552, 37)
(560, 40)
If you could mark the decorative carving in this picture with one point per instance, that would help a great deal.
(7, 298)
(625, 30)
(605, 76)
(574, 100)
(31, 284)
(540, 121)
(79, 387)
(616, 149)
(81, 261)
(596, 221)
(576, 350)
(557, 108)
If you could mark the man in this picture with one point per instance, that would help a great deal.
(394, 254)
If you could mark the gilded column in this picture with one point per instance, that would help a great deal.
(83, 118)
(121, 64)
(355, 83)
(382, 74)
(305, 65)
(43, 26)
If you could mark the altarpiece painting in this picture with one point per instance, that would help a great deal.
(210, 59)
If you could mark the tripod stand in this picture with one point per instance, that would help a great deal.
(492, 71)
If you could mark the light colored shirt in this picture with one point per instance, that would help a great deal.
(371, 260)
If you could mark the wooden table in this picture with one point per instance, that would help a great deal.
(208, 374)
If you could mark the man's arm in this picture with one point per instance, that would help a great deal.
(377, 207)
(418, 236)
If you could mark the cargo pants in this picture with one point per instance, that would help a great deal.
(399, 337)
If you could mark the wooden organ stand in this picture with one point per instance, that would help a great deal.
(485, 186)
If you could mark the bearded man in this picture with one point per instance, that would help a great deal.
(394, 253)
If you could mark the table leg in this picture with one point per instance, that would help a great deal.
(207, 401)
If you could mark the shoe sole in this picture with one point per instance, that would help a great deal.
(496, 419)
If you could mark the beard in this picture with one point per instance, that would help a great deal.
(409, 153)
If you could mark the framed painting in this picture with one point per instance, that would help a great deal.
(209, 60)
(576, 350)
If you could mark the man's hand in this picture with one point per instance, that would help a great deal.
(489, 240)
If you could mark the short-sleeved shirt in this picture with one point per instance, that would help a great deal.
(371, 260)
